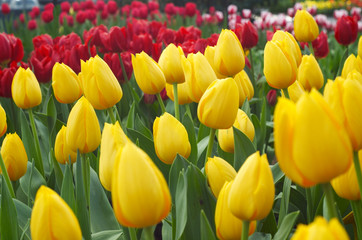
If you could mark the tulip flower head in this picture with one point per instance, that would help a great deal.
(346, 30)
(245, 87)
(182, 91)
(305, 27)
(170, 63)
(210, 54)
(310, 74)
(295, 91)
(351, 63)
(3, 124)
(61, 150)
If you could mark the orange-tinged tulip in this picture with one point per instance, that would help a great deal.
(3, 124)
(246, 89)
(305, 27)
(61, 150)
(170, 63)
(52, 211)
(144, 202)
(182, 91)
(310, 74)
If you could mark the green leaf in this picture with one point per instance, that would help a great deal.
(181, 204)
(203, 132)
(101, 212)
(179, 164)
(189, 125)
(286, 226)
(284, 206)
(277, 173)
(243, 148)
(246, 106)
(140, 126)
(201, 147)
(27, 136)
(67, 191)
(258, 132)
(108, 235)
(131, 116)
(206, 230)
(52, 118)
(57, 170)
(24, 214)
(9, 221)
(341, 63)
(260, 236)
(269, 224)
(32, 181)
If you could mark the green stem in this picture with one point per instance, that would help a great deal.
(245, 231)
(148, 233)
(331, 206)
(286, 93)
(117, 113)
(132, 233)
(175, 96)
(253, 82)
(38, 160)
(86, 177)
(111, 115)
(308, 193)
(188, 110)
(160, 101)
(133, 92)
(6, 176)
(210, 145)
(311, 50)
(357, 168)
(357, 214)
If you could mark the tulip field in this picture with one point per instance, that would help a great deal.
(146, 121)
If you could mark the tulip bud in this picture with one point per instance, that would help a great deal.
(170, 63)
(14, 156)
(346, 30)
(320, 45)
(99, 84)
(295, 91)
(170, 138)
(305, 27)
(218, 172)
(310, 74)
(245, 87)
(351, 63)
(219, 105)
(182, 91)
(320, 229)
(147, 200)
(226, 136)
(113, 139)
(227, 225)
(65, 84)
(344, 97)
(25, 89)
(210, 54)
(52, 211)
(198, 74)
(311, 144)
(3, 124)
(61, 150)
(229, 54)
(254, 180)
(148, 74)
(83, 131)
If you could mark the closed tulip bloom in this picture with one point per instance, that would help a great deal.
(61, 150)
(251, 195)
(219, 105)
(170, 63)
(147, 200)
(311, 144)
(148, 74)
(83, 131)
(65, 84)
(52, 211)
(3, 124)
(310, 74)
(351, 63)
(321, 230)
(182, 91)
(305, 27)
(100, 86)
(14, 156)
(113, 138)
(295, 91)
(25, 89)
(291, 43)
(228, 227)
(226, 136)
(170, 138)
(198, 74)
(229, 54)
(344, 97)
(218, 172)
(246, 90)
(346, 185)
(210, 54)
(346, 30)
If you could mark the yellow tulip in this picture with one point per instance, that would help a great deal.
(83, 131)
(3, 124)
(170, 138)
(311, 145)
(170, 63)
(218, 172)
(252, 193)
(226, 136)
(228, 227)
(100, 86)
(295, 91)
(140, 194)
(62, 150)
(198, 74)
(219, 105)
(305, 27)
(113, 138)
(14, 156)
(246, 90)
(346, 185)
(52, 211)
(321, 230)
(149, 75)
(210, 54)
(65, 84)
(355, 75)
(182, 91)
(360, 47)
(25, 89)
(229, 54)
(310, 74)
(351, 63)
(292, 45)
(344, 97)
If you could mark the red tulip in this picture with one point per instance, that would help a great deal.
(200, 45)
(76, 6)
(154, 28)
(6, 79)
(91, 14)
(47, 16)
(5, 9)
(190, 9)
(170, 9)
(100, 5)
(5, 49)
(22, 17)
(88, 4)
(166, 36)
(32, 24)
(125, 10)
(212, 40)
(346, 30)
(320, 45)
(247, 34)
(112, 7)
(65, 6)
(156, 51)
(49, 6)
(272, 97)
(118, 39)
(139, 26)
(153, 5)
(70, 20)
(104, 14)
(80, 17)
(35, 12)
(78, 52)
(142, 42)
(42, 40)
(17, 48)
(113, 61)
